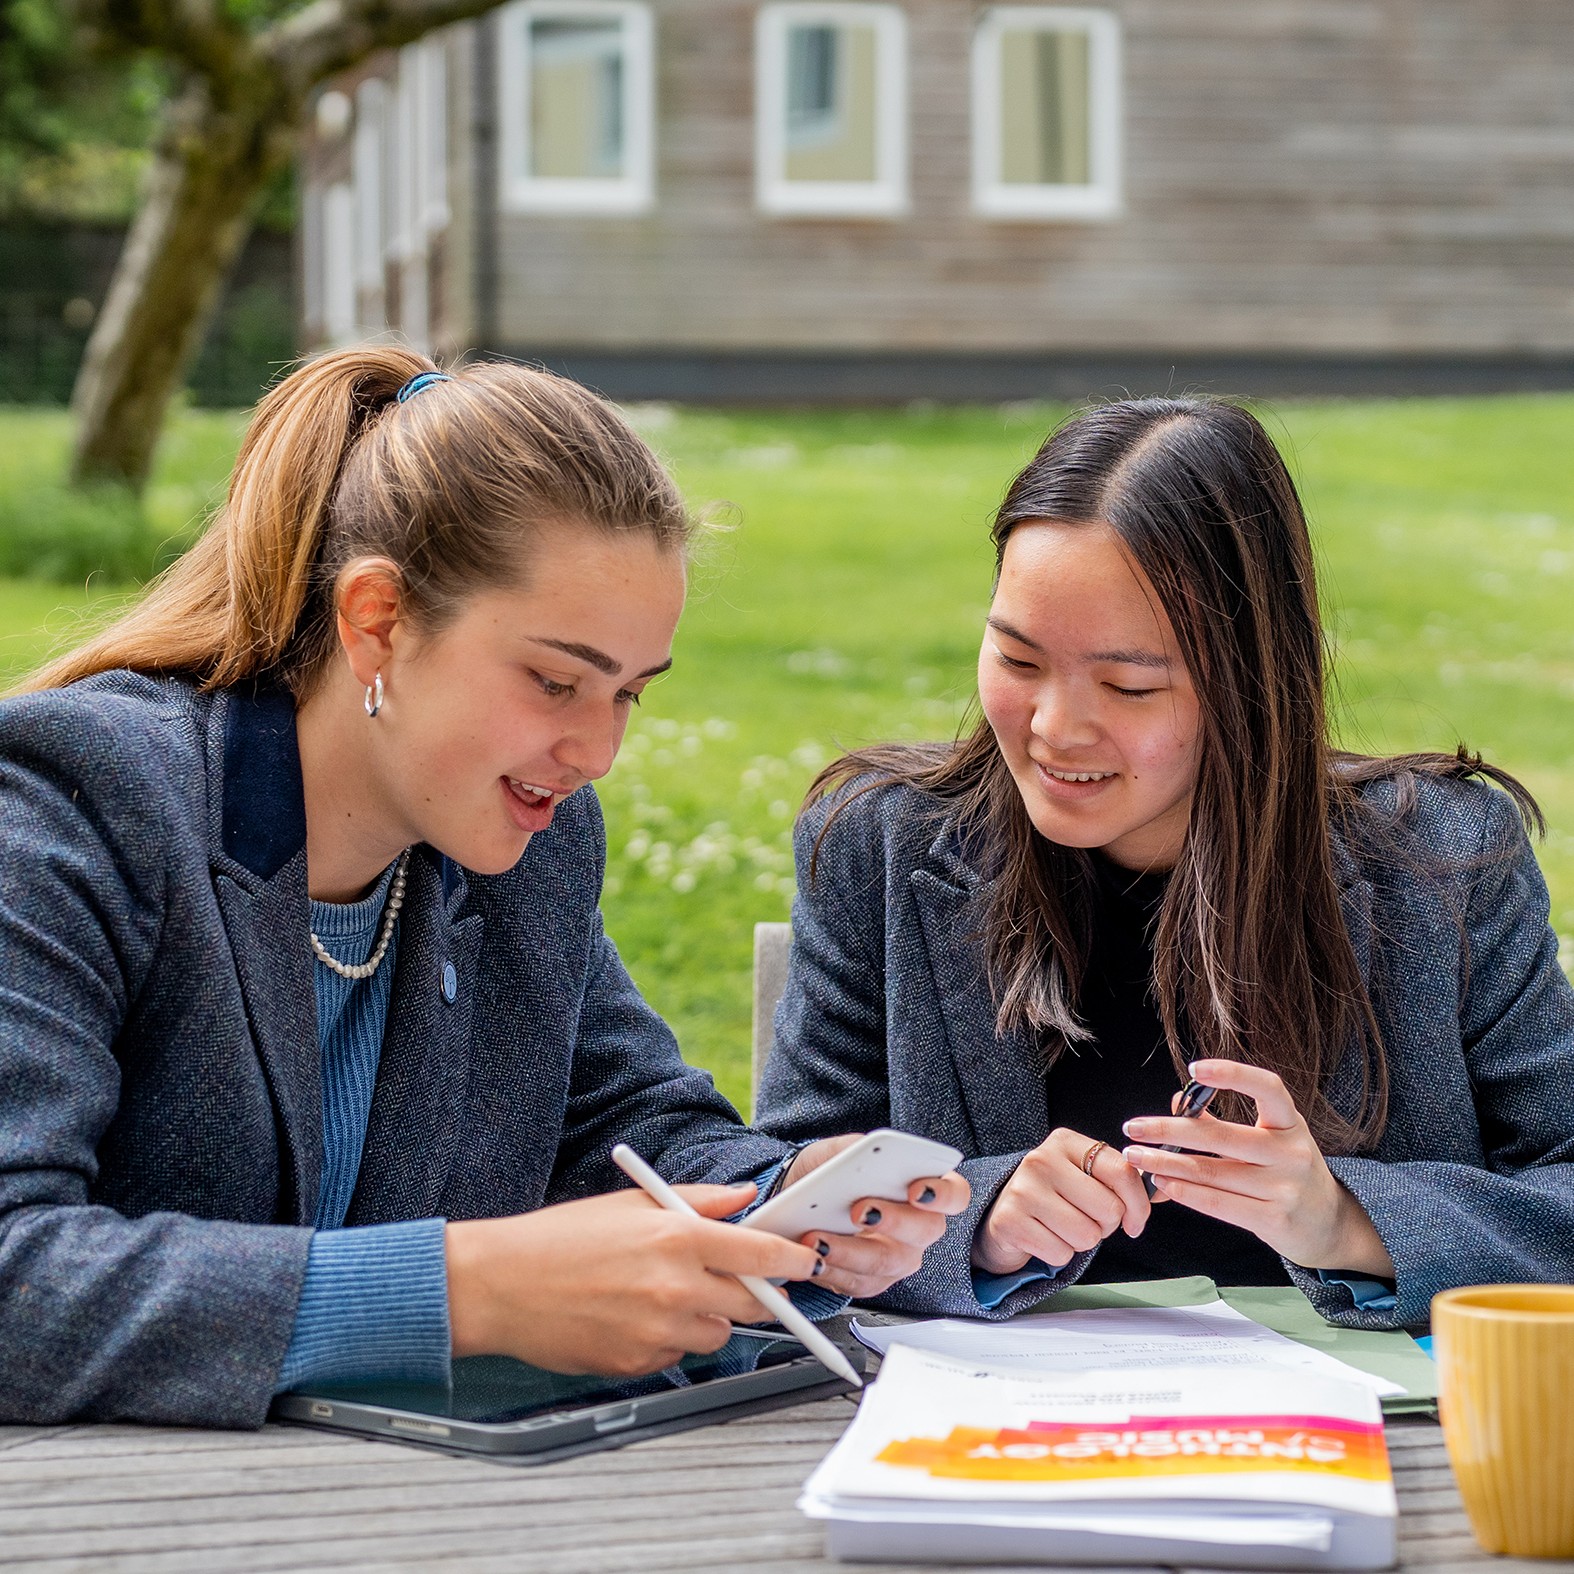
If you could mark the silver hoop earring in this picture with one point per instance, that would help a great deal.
(374, 695)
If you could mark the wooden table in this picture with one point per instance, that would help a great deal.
(165, 1501)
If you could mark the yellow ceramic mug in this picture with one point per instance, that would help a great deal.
(1505, 1359)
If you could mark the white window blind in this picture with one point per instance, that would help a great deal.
(338, 255)
(367, 174)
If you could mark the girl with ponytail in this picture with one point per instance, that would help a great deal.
(312, 1048)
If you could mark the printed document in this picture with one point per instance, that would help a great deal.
(1210, 1336)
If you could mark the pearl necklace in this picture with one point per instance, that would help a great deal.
(390, 917)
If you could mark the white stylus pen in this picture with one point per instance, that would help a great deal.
(767, 1295)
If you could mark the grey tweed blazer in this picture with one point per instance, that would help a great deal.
(160, 1095)
(887, 1020)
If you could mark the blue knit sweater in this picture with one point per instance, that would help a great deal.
(375, 1299)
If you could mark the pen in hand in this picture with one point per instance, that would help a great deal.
(770, 1298)
(1195, 1098)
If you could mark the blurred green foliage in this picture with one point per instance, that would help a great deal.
(65, 535)
(53, 277)
(49, 532)
(78, 115)
(75, 119)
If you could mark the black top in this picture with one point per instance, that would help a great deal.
(1094, 1087)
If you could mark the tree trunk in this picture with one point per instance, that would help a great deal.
(209, 168)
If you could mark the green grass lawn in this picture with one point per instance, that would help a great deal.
(843, 603)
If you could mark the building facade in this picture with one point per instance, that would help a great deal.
(859, 199)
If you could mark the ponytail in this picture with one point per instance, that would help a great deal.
(449, 487)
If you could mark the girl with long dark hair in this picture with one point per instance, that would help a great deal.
(1146, 863)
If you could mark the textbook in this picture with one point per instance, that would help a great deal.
(949, 1461)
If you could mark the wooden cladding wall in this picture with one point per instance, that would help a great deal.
(1337, 176)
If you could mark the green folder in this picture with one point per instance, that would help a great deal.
(1283, 1308)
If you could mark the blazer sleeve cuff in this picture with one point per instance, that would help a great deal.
(374, 1304)
(993, 1288)
(1374, 1295)
(767, 1182)
(1353, 1300)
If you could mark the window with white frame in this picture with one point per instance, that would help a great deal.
(1046, 113)
(831, 108)
(576, 100)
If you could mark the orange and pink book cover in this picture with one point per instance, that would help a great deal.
(1146, 1447)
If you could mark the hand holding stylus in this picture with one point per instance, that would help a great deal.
(767, 1295)
(606, 1284)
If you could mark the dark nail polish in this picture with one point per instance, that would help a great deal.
(819, 1268)
(823, 1247)
(872, 1217)
(927, 1194)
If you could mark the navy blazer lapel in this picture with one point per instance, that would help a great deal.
(260, 882)
(1002, 1079)
(419, 1099)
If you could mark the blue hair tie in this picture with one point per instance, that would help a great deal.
(416, 384)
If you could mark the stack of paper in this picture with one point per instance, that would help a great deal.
(1212, 1335)
(1389, 1353)
(951, 1461)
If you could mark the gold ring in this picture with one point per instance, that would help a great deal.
(1090, 1158)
